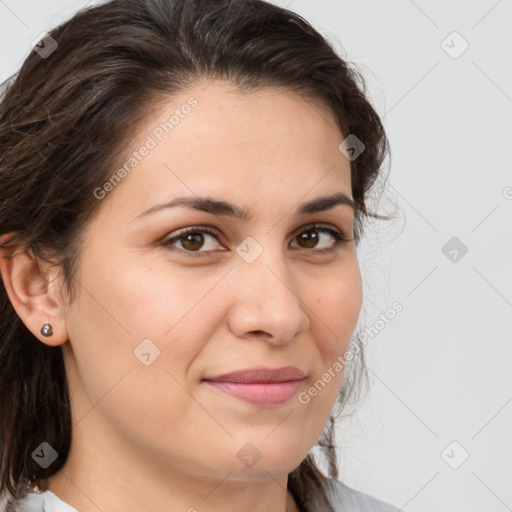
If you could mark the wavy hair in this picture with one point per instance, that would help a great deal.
(65, 122)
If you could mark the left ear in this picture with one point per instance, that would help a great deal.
(33, 287)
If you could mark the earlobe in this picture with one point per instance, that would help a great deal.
(34, 294)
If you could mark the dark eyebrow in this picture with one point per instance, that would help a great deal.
(219, 207)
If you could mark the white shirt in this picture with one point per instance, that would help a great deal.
(342, 497)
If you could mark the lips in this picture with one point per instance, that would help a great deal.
(260, 386)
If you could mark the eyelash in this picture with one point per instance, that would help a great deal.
(339, 238)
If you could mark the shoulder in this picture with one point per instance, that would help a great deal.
(343, 497)
(28, 503)
(39, 502)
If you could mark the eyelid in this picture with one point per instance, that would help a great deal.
(215, 231)
(313, 225)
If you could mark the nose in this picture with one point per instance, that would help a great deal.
(267, 301)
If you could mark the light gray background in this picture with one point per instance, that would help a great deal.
(441, 370)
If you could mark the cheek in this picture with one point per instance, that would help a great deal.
(336, 306)
(177, 311)
(157, 302)
(108, 324)
(118, 308)
(334, 310)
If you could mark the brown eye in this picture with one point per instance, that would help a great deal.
(192, 240)
(312, 236)
(309, 238)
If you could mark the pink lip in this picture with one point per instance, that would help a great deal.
(260, 386)
(271, 393)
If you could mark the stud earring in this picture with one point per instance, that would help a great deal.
(46, 329)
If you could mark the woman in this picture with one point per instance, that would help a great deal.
(183, 185)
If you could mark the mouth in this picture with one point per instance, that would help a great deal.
(260, 386)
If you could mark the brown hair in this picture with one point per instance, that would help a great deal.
(65, 121)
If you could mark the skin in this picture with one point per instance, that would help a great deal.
(156, 437)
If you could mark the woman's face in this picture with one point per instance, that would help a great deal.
(154, 317)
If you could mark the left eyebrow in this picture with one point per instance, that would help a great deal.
(220, 207)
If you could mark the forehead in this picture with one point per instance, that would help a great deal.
(214, 139)
(223, 117)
